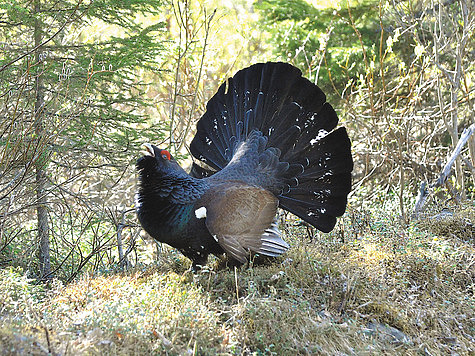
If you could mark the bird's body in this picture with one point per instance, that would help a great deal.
(267, 140)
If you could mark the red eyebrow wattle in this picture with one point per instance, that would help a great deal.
(166, 153)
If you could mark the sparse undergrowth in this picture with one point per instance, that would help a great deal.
(376, 289)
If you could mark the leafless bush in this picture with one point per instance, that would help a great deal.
(182, 101)
(405, 107)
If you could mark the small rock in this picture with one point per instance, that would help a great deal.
(389, 333)
(94, 333)
(277, 276)
(443, 215)
(448, 340)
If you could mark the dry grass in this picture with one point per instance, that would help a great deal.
(384, 290)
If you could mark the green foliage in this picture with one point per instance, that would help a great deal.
(322, 41)
(73, 103)
(18, 291)
(89, 77)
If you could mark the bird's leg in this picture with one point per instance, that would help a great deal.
(195, 268)
(199, 262)
(231, 263)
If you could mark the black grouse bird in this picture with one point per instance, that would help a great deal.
(267, 140)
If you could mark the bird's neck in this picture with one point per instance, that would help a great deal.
(159, 215)
(173, 186)
(164, 203)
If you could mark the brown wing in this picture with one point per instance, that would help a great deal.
(238, 216)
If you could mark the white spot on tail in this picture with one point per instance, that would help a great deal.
(295, 103)
(321, 134)
(200, 213)
(138, 203)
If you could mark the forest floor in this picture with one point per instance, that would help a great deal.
(371, 287)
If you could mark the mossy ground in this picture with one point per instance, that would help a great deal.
(372, 287)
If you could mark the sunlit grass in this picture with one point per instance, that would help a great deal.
(380, 290)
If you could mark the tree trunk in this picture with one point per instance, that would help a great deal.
(40, 164)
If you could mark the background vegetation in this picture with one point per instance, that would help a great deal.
(84, 83)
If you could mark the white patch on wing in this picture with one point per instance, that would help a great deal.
(200, 213)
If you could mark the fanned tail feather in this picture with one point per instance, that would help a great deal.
(272, 243)
(293, 114)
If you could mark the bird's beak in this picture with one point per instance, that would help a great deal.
(148, 150)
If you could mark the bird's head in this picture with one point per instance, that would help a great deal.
(157, 160)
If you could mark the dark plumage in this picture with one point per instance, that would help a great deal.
(267, 140)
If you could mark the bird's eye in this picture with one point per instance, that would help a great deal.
(166, 155)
